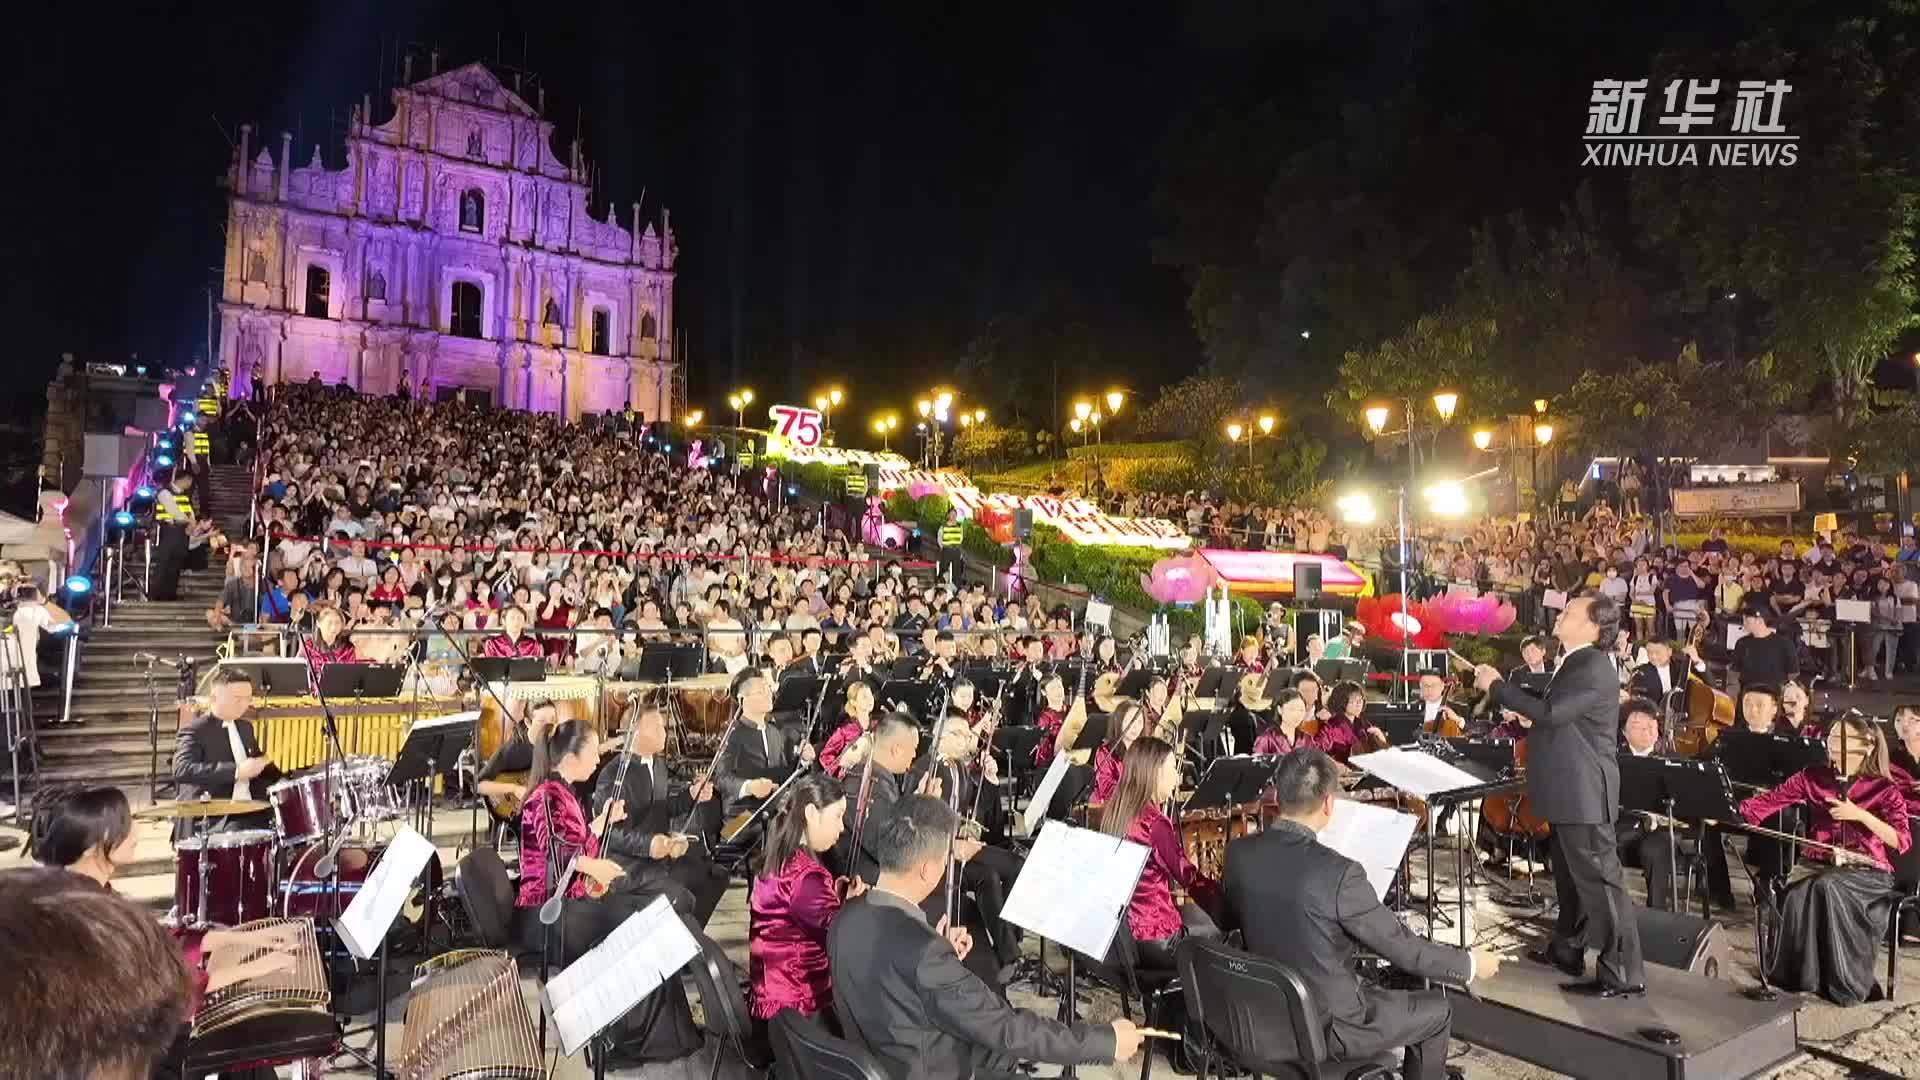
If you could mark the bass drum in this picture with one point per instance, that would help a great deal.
(307, 894)
(234, 870)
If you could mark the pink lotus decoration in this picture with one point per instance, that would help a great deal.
(876, 530)
(1386, 619)
(1180, 580)
(1476, 615)
(1019, 572)
(920, 489)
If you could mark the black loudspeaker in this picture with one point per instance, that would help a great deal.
(1306, 581)
(1023, 524)
(1677, 940)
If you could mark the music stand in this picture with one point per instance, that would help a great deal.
(1764, 760)
(1230, 782)
(432, 748)
(665, 663)
(905, 668)
(276, 677)
(1493, 755)
(915, 697)
(1093, 732)
(985, 677)
(361, 680)
(1201, 727)
(796, 693)
(1214, 683)
(1400, 722)
(1134, 684)
(1342, 669)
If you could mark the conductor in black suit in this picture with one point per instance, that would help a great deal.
(658, 842)
(1573, 780)
(902, 993)
(1310, 907)
(218, 755)
(758, 755)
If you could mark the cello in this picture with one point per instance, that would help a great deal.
(1709, 712)
(1513, 816)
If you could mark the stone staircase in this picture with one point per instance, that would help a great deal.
(110, 696)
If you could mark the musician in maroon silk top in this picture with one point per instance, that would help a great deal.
(793, 904)
(514, 642)
(834, 757)
(1833, 914)
(1283, 735)
(1344, 733)
(1053, 695)
(1127, 723)
(1150, 776)
(1248, 658)
(328, 645)
(554, 832)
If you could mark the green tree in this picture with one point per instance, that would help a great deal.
(1196, 407)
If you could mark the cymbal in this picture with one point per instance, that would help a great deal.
(199, 809)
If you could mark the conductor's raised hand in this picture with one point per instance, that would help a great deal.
(1484, 676)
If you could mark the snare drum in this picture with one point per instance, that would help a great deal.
(233, 870)
(300, 808)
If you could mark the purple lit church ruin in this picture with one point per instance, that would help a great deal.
(455, 250)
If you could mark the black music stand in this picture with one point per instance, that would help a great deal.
(432, 748)
(1342, 669)
(1765, 760)
(915, 697)
(1692, 791)
(1134, 684)
(513, 669)
(360, 680)
(905, 668)
(283, 677)
(1093, 732)
(1200, 729)
(1400, 722)
(985, 677)
(1493, 755)
(1217, 682)
(796, 693)
(667, 662)
(1231, 782)
(1016, 744)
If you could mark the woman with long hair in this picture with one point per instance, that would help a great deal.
(1250, 657)
(793, 904)
(1126, 724)
(329, 643)
(1833, 914)
(555, 832)
(89, 830)
(1053, 713)
(847, 744)
(1149, 777)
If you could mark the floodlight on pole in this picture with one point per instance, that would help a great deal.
(1357, 509)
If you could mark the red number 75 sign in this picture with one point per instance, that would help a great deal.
(797, 425)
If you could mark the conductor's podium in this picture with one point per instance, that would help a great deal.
(1721, 1033)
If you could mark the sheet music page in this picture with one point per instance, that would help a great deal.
(1036, 810)
(1075, 887)
(367, 919)
(1373, 836)
(600, 987)
(1418, 774)
(459, 719)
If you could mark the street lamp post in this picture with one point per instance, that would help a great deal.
(1445, 402)
(1252, 429)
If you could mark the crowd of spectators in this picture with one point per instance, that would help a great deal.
(402, 514)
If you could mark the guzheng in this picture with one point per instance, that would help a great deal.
(466, 1018)
(304, 987)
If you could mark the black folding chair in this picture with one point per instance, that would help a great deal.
(1233, 999)
(809, 1053)
(724, 1009)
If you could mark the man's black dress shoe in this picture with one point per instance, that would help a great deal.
(1573, 965)
(1596, 988)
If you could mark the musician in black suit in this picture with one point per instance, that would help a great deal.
(902, 992)
(1573, 780)
(1310, 907)
(1642, 843)
(987, 872)
(661, 841)
(758, 755)
(1663, 673)
(896, 742)
(218, 756)
(1534, 672)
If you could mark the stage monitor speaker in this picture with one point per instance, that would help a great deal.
(1023, 524)
(110, 456)
(1306, 581)
(1687, 942)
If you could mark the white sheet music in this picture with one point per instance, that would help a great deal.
(1373, 836)
(734, 663)
(368, 918)
(458, 719)
(615, 975)
(1043, 795)
(1075, 887)
(1418, 774)
(1859, 611)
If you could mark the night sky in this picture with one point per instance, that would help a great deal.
(857, 188)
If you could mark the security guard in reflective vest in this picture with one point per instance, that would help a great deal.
(173, 512)
(950, 537)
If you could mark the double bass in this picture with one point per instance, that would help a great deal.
(1709, 712)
